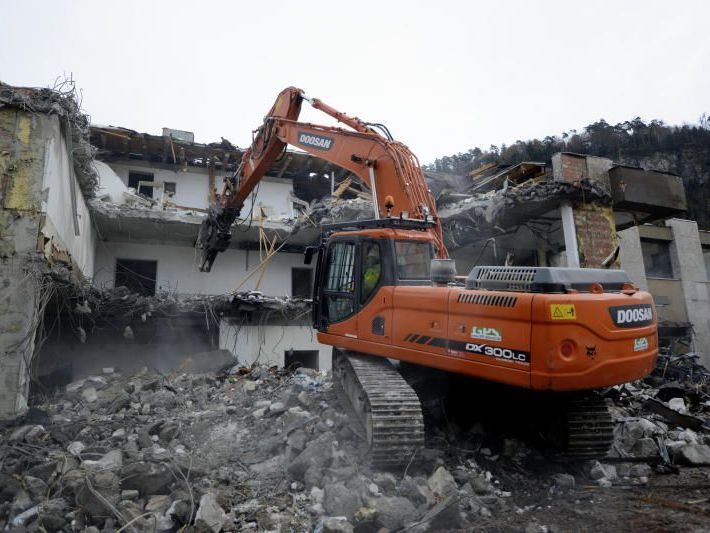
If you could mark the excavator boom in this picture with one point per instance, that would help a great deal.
(384, 165)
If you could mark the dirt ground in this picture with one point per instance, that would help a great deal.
(668, 502)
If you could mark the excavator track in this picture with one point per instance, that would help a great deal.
(589, 428)
(387, 406)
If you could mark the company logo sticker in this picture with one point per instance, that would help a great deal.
(316, 141)
(489, 334)
(631, 316)
(563, 312)
(640, 344)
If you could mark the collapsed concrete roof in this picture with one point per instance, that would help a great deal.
(62, 102)
(485, 215)
(473, 217)
(116, 143)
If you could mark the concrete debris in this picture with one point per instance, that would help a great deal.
(467, 216)
(441, 483)
(601, 471)
(339, 499)
(334, 524)
(467, 220)
(566, 481)
(210, 514)
(184, 450)
(678, 404)
(393, 512)
(191, 461)
(693, 454)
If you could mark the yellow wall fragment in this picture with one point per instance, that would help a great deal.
(24, 128)
(16, 172)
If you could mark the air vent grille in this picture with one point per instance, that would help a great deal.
(502, 278)
(488, 299)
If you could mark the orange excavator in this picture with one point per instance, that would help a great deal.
(385, 289)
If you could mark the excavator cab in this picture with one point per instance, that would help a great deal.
(355, 261)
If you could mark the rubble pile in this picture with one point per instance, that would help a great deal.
(88, 308)
(242, 449)
(491, 213)
(265, 449)
(664, 423)
(467, 216)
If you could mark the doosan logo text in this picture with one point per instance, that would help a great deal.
(316, 141)
(633, 315)
(627, 316)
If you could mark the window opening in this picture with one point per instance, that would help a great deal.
(301, 282)
(294, 359)
(136, 275)
(136, 177)
(657, 258)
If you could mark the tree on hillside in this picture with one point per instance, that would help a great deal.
(683, 150)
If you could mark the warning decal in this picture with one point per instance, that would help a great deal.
(563, 312)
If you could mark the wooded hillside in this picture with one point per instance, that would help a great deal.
(682, 150)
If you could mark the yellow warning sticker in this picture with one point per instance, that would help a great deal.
(563, 312)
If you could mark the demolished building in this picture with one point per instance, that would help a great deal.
(99, 224)
(99, 278)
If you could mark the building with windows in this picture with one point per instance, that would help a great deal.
(153, 193)
(97, 225)
(671, 262)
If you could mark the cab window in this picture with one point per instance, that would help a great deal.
(339, 284)
(413, 259)
(371, 269)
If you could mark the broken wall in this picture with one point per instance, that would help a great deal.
(596, 233)
(68, 232)
(268, 344)
(192, 187)
(38, 191)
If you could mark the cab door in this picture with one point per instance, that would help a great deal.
(374, 292)
(337, 288)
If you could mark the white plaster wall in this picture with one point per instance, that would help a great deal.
(57, 182)
(267, 344)
(177, 271)
(631, 255)
(687, 259)
(110, 184)
(192, 188)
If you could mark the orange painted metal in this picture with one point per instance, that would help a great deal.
(506, 337)
(602, 353)
(362, 151)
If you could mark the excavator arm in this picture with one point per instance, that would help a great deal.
(387, 167)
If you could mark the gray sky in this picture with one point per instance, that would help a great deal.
(444, 76)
